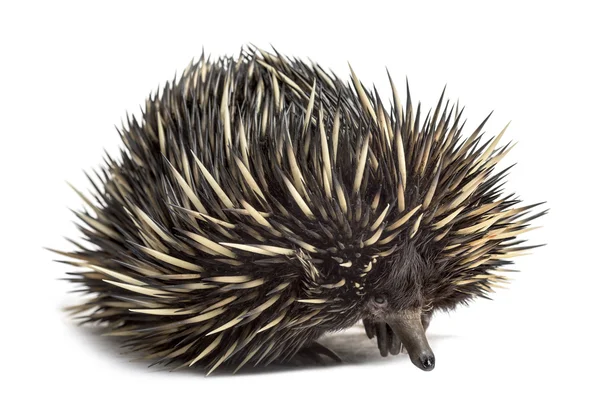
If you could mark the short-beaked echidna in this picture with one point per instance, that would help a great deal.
(262, 202)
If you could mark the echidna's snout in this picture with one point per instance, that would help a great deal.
(426, 361)
(408, 327)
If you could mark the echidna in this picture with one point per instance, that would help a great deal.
(262, 202)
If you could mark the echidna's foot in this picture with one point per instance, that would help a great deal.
(387, 342)
(317, 353)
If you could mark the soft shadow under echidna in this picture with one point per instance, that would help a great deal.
(352, 345)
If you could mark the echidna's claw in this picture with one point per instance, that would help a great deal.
(369, 328)
(387, 341)
(382, 338)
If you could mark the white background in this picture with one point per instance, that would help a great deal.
(70, 72)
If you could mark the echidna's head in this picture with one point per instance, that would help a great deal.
(397, 306)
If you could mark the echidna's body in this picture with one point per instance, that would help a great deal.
(262, 202)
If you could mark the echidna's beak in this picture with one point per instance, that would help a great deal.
(408, 327)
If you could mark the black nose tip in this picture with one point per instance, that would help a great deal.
(427, 362)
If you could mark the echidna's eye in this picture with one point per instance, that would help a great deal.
(380, 300)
